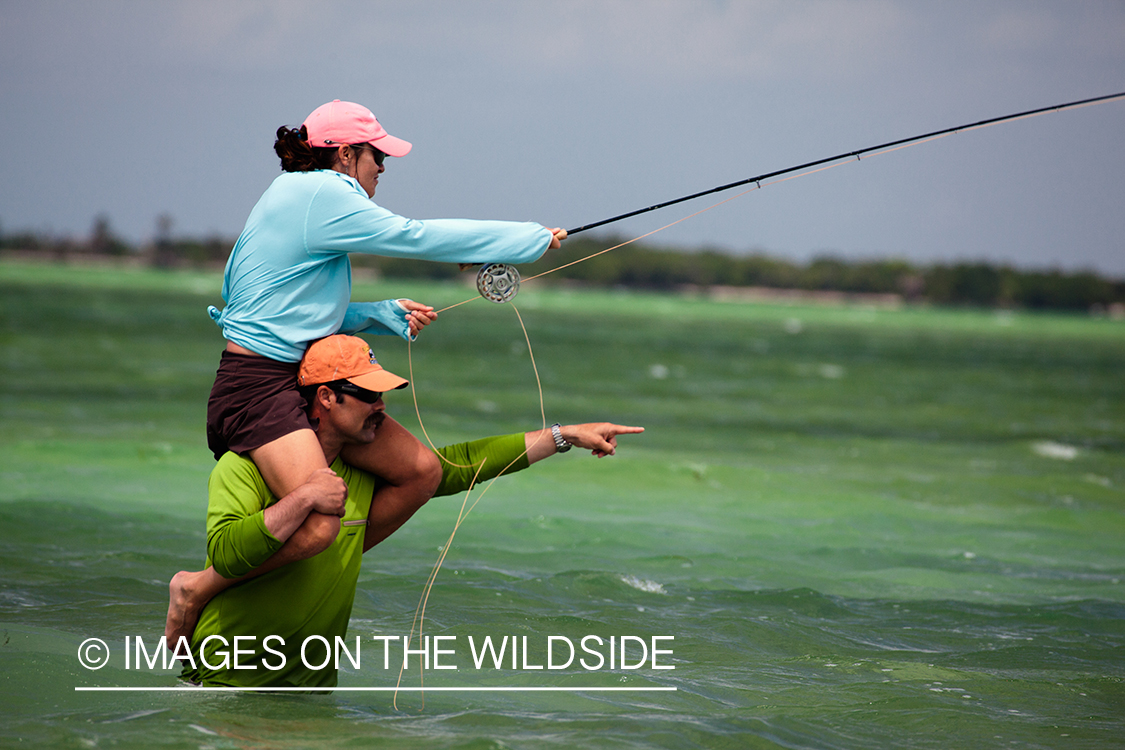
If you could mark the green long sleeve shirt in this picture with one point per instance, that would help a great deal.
(272, 615)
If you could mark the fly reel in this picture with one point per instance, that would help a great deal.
(498, 282)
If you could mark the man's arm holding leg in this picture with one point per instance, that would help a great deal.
(306, 522)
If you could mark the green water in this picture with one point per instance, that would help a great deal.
(864, 529)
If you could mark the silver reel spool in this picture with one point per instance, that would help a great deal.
(498, 282)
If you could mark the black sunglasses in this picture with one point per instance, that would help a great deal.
(364, 395)
(376, 153)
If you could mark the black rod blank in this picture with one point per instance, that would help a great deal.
(850, 154)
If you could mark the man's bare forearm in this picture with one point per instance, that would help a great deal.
(324, 492)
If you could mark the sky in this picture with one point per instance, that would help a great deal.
(568, 112)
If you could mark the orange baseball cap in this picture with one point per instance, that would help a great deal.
(340, 123)
(347, 358)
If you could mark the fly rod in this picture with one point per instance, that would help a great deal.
(856, 154)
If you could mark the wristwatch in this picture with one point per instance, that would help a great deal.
(560, 443)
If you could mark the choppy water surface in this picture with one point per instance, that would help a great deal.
(834, 576)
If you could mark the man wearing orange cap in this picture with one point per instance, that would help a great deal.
(296, 560)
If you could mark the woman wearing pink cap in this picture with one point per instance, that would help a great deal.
(288, 283)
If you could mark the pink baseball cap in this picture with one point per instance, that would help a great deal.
(343, 123)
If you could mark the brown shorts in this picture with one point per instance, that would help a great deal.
(254, 401)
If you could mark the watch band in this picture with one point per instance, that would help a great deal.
(560, 443)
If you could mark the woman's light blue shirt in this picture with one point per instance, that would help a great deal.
(288, 280)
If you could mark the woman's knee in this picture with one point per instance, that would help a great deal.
(429, 472)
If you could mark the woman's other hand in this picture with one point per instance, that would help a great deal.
(418, 316)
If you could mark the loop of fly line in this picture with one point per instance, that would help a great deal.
(466, 508)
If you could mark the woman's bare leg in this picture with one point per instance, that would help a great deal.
(410, 470)
(287, 462)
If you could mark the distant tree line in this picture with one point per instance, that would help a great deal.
(164, 251)
(646, 267)
(663, 269)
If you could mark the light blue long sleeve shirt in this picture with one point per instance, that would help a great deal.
(288, 280)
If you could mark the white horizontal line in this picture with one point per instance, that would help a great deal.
(376, 689)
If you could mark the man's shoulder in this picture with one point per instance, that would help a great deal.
(233, 469)
(232, 463)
